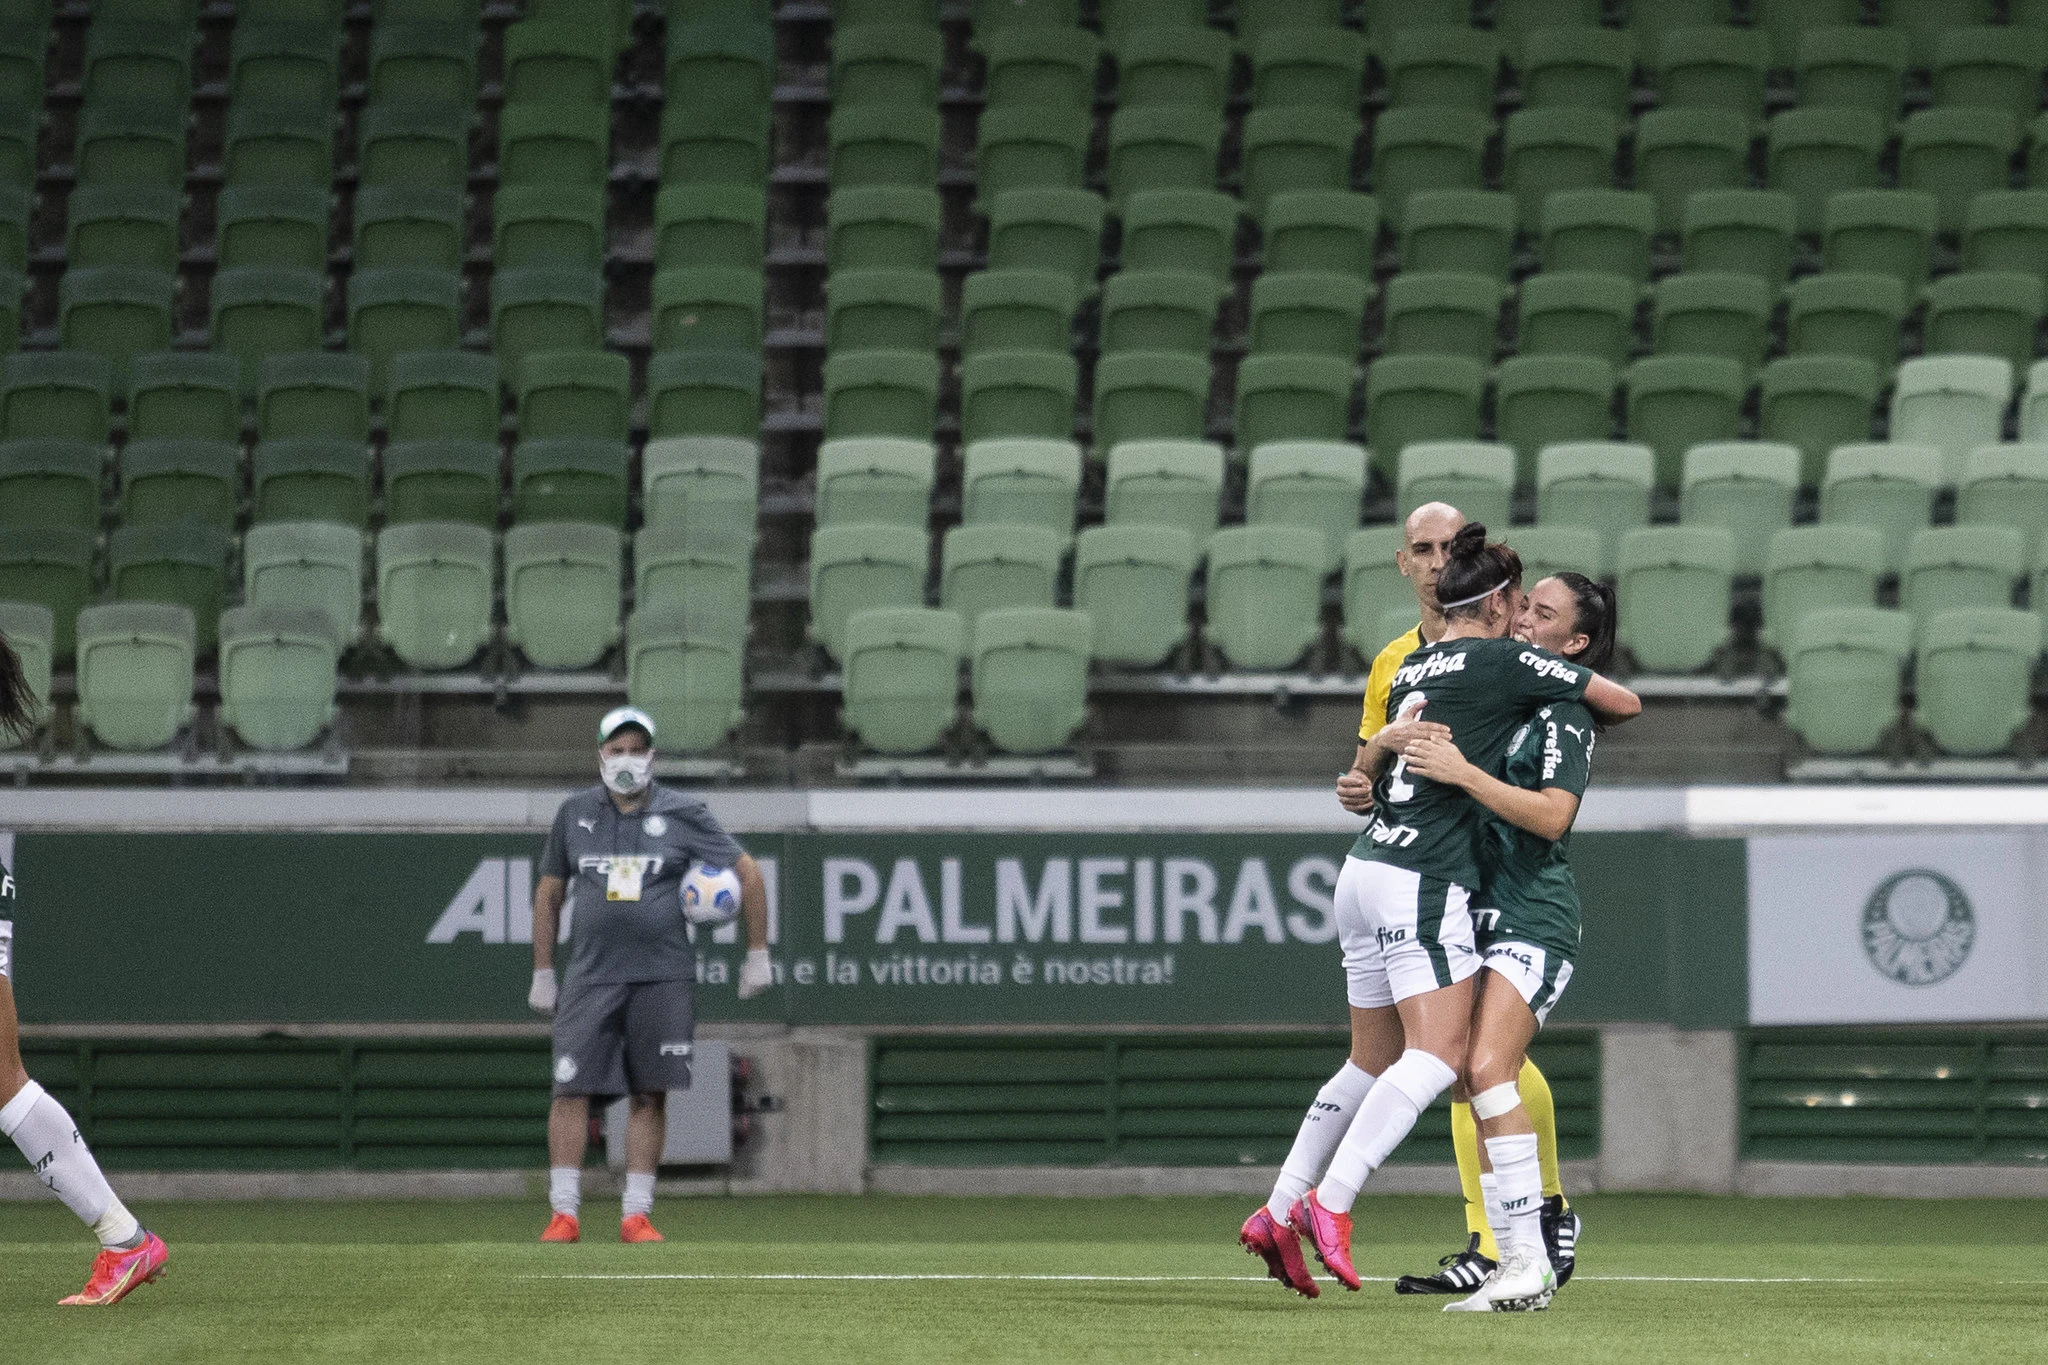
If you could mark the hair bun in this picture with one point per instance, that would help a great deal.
(1470, 540)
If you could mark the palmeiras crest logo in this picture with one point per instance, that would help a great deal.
(1918, 927)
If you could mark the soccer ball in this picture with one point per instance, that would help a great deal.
(711, 895)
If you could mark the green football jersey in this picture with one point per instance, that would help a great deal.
(1483, 690)
(1524, 876)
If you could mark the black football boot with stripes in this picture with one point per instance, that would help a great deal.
(1461, 1274)
(1560, 1237)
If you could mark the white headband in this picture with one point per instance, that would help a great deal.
(1468, 601)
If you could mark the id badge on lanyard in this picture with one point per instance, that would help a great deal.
(623, 876)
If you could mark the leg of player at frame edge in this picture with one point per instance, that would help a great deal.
(130, 1255)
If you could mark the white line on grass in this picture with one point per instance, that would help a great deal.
(1175, 1279)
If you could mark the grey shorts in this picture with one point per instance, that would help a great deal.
(624, 1038)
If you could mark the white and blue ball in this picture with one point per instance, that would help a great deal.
(711, 895)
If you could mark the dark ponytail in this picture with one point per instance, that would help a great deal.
(1593, 616)
(1474, 571)
(17, 702)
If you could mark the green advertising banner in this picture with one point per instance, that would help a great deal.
(1073, 929)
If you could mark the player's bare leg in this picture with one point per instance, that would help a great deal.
(568, 1131)
(646, 1133)
(1525, 1279)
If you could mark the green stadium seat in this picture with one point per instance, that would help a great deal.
(2037, 153)
(1441, 313)
(1029, 146)
(1960, 566)
(135, 672)
(1171, 67)
(1888, 488)
(1787, 23)
(397, 312)
(115, 311)
(51, 566)
(441, 394)
(194, 394)
(884, 63)
(1017, 393)
(1374, 589)
(147, 64)
(881, 393)
(2037, 588)
(570, 478)
(1680, 152)
(1410, 398)
(1676, 402)
(1655, 21)
(1600, 487)
(1030, 676)
(704, 575)
(1846, 315)
(724, 65)
(277, 675)
(1181, 230)
(1974, 677)
(1441, 68)
(1578, 313)
(873, 227)
(266, 224)
(1714, 67)
(1746, 232)
(1545, 400)
(13, 286)
(1259, 19)
(1550, 550)
(179, 562)
(700, 483)
(902, 677)
(1955, 154)
(1312, 484)
(1991, 68)
(562, 592)
(442, 478)
(307, 480)
(55, 393)
(1021, 482)
(703, 393)
(1425, 149)
(1017, 310)
(874, 480)
(20, 126)
(24, 45)
(1576, 66)
(132, 226)
(1984, 312)
(1817, 568)
(1549, 151)
(1159, 310)
(122, 143)
(176, 481)
(1603, 231)
(1132, 580)
(1143, 395)
(1817, 402)
(1042, 64)
(558, 63)
(558, 226)
(1954, 403)
(1841, 66)
(692, 682)
(2007, 485)
(856, 568)
(1163, 147)
(1288, 398)
(30, 631)
(1302, 312)
(723, 225)
(115, 233)
(1265, 585)
(993, 566)
(575, 393)
(702, 144)
(1476, 477)
(1331, 231)
(1881, 232)
(1309, 67)
(543, 309)
(280, 66)
(1713, 313)
(1517, 21)
(1923, 24)
(397, 144)
(304, 565)
(261, 311)
(705, 308)
(423, 62)
(315, 394)
(865, 310)
(2007, 230)
(1673, 595)
(434, 584)
(1842, 678)
(554, 144)
(1047, 230)
(1814, 154)
(1385, 18)
(1165, 483)
(1466, 230)
(883, 144)
(51, 481)
(2034, 403)
(1120, 17)
(1745, 487)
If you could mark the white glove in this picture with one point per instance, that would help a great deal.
(755, 973)
(541, 999)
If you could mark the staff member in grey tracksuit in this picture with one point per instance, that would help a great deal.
(625, 1021)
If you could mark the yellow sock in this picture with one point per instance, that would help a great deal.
(1543, 1113)
(1465, 1137)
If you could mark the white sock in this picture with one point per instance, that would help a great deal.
(1489, 1189)
(1390, 1109)
(1520, 1180)
(49, 1139)
(1322, 1128)
(565, 1189)
(639, 1196)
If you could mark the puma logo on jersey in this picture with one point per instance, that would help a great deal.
(1576, 733)
(1549, 668)
(590, 826)
(1435, 666)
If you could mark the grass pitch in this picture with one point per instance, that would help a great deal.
(896, 1279)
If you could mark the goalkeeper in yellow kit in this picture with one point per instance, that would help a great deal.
(1426, 540)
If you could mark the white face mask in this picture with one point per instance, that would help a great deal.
(627, 773)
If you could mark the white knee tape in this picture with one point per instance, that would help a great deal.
(1491, 1104)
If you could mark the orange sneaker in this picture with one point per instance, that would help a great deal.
(639, 1229)
(562, 1228)
(115, 1274)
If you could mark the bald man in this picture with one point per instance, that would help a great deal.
(1425, 545)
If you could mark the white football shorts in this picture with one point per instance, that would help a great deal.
(1403, 934)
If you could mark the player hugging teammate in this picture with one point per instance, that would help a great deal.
(1464, 866)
